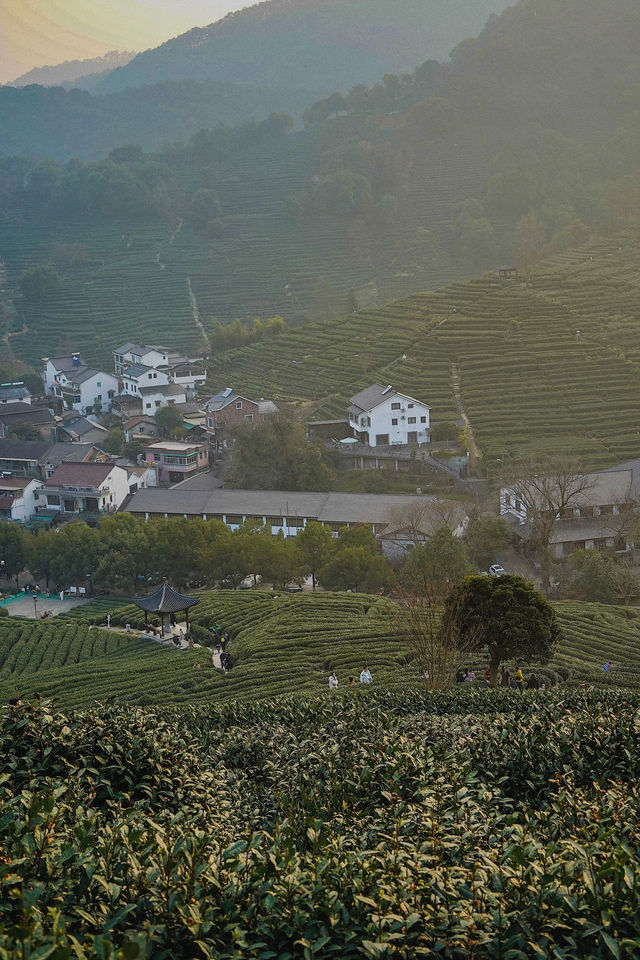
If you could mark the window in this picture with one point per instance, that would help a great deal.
(234, 518)
(274, 521)
(395, 406)
(156, 457)
(382, 439)
(394, 422)
(148, 406)
(410, 405)
(210, 421)
(53, 499)
(248, 416)
(423, 419)
(295, 522)
(158, 402)
(238, 404)
(98, 384)
(411, 420)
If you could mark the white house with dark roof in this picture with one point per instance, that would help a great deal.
(380, 416)
(85, 488)
(132, 354)
(137, 376)
(81, 387)
(14, 393)
(136, 360)
(17, 498)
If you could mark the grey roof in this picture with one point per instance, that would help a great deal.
(66, 363)
(266, 407)
(634, 467)
(202, 481)
(57, 453)
(82, 427)
(166, 389)
(81, 373)
(24, 449)
(328, 507)
(14, 391)
(165, 600)
(370, 397)
(131, 348)
(25, 411)
(221, 400)
(135, 370)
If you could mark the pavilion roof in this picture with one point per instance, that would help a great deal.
(165, 600)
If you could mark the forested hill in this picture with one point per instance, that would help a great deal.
(317, 45)
(513, 151)
(71, 71)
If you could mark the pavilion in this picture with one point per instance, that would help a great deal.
(164, 601)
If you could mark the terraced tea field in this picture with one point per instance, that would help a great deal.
(549, 366)
(281, 644)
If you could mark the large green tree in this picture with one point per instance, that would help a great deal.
(276, 456)
(442, 559)
(505, 615)
(13, 554)
(316, 544)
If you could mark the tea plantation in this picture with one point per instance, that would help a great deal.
(280, 643)
(400, 824)
(545, 367)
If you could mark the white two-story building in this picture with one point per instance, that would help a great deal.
(80, 387)
(132, 354)
(85, 488)
(137, 359)
(380, 416)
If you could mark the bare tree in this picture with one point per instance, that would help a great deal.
(546, 489)
(421, 519)
(436, 646)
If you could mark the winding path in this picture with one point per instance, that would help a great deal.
(196, 316)
(474, 450)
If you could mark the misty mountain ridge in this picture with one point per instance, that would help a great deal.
(319, 45)
(82, 73)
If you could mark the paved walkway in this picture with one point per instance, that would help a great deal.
(23, 605)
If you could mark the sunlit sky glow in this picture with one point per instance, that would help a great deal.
(36, 33)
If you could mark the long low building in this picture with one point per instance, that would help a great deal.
(391, 516)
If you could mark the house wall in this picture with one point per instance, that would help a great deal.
(396, 418)
(24, 504)
(110, 494)
(233, 415)
(170, 470)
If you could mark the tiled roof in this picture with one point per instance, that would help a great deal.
(165, 600)
(80, 474)
(24, 449)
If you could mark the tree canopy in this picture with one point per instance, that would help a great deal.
(506, 616)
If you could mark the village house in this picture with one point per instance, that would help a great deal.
(140, 428)
(595, 518)
(77, 429)
(79, 488)
(287, 512)
(42, 419)
(174, 461)
(80, 387)
(228, 409)
(14, 393)
(187, 373)
(17, 498)
(380, 416)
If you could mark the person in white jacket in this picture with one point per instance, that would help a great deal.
(365, 676)
(333, 681)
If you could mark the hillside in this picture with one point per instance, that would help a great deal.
(419, 181)
(282, 644)
(74, 70)
(539, 368)
(317, 45)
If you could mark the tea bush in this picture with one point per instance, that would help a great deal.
(471, 824)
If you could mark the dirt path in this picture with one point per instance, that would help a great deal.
(196, 316)
(474, 450)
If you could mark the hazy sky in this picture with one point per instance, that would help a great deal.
(35, 33)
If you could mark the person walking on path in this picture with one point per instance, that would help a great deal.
(505, 677)
(333, 681)
(365, 676)
(608, 666)
(519, 677)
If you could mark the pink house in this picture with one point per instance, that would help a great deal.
(175, 461)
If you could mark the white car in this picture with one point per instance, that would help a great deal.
(496, 570)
